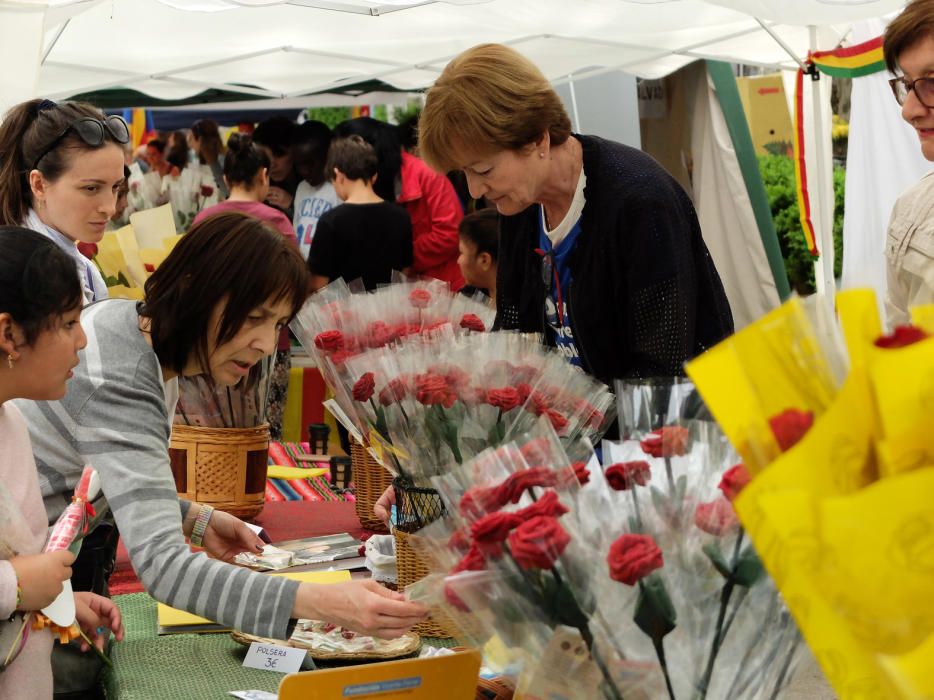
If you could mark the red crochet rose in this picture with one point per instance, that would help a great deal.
(341, 356)
(459, 540)
(548, 504)
(329, 341)
(734, 480)
(511, 490)
(716, 517)
(536, 451)
(206, 190)
(537, 543)
(505, 399)
(541, 403)
(789, 426)
(89, 250)
(379, 334)
(670, 441)
(363, 387)
(579, 472)
(472, 561)
(420, 298)
(472, 322)
(901, 336)
(478, 501)
(633, 557)
(492, 529)
(525, 390)
(624, 475)
(432, 389)
(558, 421)
(394, 391)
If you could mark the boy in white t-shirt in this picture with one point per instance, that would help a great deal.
(315, 194)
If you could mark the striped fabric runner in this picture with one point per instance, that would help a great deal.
(312, 489)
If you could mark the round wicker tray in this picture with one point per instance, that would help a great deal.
(413, 645)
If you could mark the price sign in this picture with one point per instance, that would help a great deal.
(270, 657)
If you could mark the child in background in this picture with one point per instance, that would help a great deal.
(367, 237)
(479, 243)
(40, 335)
(315, 194)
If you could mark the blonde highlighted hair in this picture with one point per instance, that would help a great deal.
(488, 99)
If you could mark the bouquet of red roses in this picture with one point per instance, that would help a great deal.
(436, 391)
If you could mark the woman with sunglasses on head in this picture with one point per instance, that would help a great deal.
(599, 247)
(908, 46)
(60, 168)
(215, 306)
(40, 336)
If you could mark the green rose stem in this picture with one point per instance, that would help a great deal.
(577, 618)
(719, 632)
(449, 433)
(658, 641)
(671, 478)
(635, 505)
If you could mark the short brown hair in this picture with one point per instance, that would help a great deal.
(914, 23)
(229, 256)
(353, 156)
(490, 98)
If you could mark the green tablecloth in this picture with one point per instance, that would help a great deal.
(180, 666)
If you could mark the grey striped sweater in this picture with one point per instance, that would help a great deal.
(114, 417)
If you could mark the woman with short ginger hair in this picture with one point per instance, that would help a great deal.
(600, 248)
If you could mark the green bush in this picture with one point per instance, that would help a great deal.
(778, 176)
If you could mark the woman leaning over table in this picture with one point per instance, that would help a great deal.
(214, 306)
(600, 247)
(60, 168)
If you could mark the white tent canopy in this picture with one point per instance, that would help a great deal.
(174, 49)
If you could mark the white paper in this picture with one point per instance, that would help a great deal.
(270, 657)
(253, 695)
(62, 609)
(260, 532)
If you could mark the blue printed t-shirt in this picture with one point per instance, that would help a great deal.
(556, 301)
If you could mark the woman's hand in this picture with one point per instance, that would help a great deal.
(361, 606)
(96, 614)
(278, 197)
(383, 506)
(226, 536)
(40, 577)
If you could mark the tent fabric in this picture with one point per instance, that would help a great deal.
(724, 210)
(280, 49)
(884, 159)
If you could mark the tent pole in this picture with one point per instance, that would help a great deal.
(823, 266)
(575, 114)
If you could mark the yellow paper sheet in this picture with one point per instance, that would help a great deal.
(278, 471)
(153, 226)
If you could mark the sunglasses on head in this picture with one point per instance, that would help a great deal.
(92, 132)
(923, 87)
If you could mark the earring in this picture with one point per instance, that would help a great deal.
(541, 154)
(9, 361)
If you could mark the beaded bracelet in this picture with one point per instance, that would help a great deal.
(19, 597)
(201, 524)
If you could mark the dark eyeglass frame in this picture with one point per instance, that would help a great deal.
(91, 131)
(910, 85)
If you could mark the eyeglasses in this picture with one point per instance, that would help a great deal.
(923, 87)
(551, 280)
(92, 132)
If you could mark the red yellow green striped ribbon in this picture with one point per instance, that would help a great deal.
(845, 62)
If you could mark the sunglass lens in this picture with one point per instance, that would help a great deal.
(91, 131)
(118, 129)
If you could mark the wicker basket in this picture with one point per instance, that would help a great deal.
(409, 569)
(222, 467)
(370, 480)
